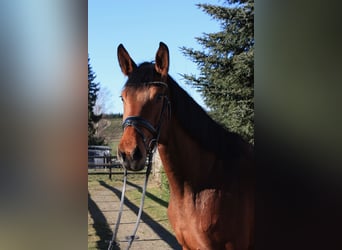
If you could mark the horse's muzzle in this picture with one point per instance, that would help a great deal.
(132, 160)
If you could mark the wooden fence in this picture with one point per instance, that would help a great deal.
(109, 163)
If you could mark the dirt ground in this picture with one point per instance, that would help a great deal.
(103, 207)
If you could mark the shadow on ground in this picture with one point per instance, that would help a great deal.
(100, 225)
(149, 195)
(165, 235)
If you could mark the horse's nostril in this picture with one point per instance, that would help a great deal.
(136, 154)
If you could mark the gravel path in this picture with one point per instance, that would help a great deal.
(103, 208)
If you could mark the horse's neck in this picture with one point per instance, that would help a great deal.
(186, 164)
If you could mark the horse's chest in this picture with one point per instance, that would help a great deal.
(197, 219)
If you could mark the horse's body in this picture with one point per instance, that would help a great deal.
(210, 170)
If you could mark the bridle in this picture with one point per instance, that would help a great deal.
(137, 122)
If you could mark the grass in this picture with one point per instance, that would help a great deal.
(113, 133)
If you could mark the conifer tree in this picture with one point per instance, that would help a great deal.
(93, 89)
(226, 65)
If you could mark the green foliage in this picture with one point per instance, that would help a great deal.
(226, 65)
(93, 89)
(112, 116)
(165, 188)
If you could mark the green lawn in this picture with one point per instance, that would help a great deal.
(113, 133)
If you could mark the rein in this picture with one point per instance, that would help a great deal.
(136, 122)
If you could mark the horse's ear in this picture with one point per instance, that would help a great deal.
(162, 60)
(127, 65)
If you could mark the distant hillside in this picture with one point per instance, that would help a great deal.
(111, 130)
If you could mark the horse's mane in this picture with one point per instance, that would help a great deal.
(196, 122)
(200, 126)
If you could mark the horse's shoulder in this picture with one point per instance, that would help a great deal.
(210, 203)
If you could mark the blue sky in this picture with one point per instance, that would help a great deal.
(140, 26)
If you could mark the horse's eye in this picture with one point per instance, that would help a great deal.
(159, 97)
(121, 98)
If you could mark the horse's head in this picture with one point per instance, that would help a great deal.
(145, 106)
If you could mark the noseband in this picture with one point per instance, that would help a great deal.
(137, 122)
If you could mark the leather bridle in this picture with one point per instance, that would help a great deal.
(138, 122)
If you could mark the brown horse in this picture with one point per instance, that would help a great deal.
(210, 170)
